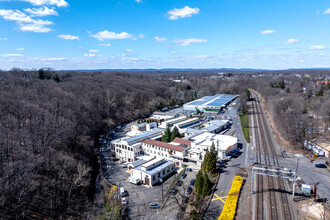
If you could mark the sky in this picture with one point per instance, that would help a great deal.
(141, 34)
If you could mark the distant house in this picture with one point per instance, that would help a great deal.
(322, 82)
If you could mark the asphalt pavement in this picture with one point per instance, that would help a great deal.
(233, 168)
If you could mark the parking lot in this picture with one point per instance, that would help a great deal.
(139, 196)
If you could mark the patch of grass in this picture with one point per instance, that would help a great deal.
(245, 127)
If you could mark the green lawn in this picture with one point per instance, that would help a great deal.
(245, 126)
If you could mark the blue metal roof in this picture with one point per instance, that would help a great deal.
(157, 168)
(145, 135)
(217, 100)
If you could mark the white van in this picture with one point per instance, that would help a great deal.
(122, 192)
(134, 180)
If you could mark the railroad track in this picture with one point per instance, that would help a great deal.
(271, 197)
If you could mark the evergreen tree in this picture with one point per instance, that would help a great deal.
(320, 92)
(206, 161)
(206, 185)
(199, 182)
(167, 135)
(175, 133)
(197, 111)
(41, 74)
(171, 102)
(55, 77)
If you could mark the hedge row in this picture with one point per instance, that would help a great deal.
(229, 209)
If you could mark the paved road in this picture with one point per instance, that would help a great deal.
(233, 168)
(310, 174)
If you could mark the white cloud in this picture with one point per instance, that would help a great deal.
(89, 55)
(185, 12)
(139, 1)
(161, 39)
(37, 26)
(317, 47)
(58, 3)
(25, 22)
(268, 32)
(104, 45)
(291, 41)
(16, 15)
(40, 12)
(106, 35)
(177, 52)
(327, 11)
(4, 38)
(187, 42)
(93, 51)
(201, 56)
(68, 37)
(50, 59)
(12, 55)
(19, 49)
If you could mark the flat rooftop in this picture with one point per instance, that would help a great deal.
(154, 170)
(212, 101)
(144, 135)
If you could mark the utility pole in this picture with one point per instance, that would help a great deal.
(161, 182)
(294, 180)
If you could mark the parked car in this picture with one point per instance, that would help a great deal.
(173, 191)
(124, 201)
(189, 191)
(192, 182)
(115, 159)
(153, 206)
(185, 199)
(125, 165)
(320, 165)
(179, 183)
(122, 161)
(122, 191)
(183, 175)
(188, 169)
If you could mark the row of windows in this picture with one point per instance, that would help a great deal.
(159, 148)
(167, 170)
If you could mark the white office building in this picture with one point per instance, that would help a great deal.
(153, 171)
(171, 151)
(128, 149)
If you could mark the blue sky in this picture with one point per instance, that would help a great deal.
(111, 34)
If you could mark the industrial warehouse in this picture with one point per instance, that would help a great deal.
(209, 103)
(149, 159)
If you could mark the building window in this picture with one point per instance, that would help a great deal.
(163, 172)
(153, 178)
(158, 175)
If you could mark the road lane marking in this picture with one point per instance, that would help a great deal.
(219, 198)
